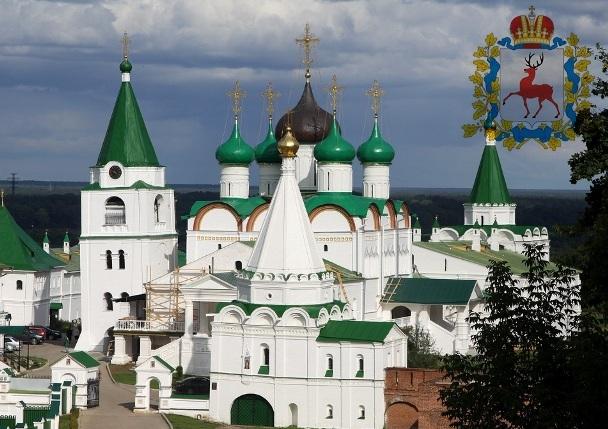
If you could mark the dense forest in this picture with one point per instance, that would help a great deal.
(558, 210)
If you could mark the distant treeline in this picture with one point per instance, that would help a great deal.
(59, 213)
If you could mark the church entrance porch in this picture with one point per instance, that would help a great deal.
(252, 410)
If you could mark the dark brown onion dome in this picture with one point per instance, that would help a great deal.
(309, 123)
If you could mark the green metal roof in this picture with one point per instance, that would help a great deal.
(433, 291)
(312, 310)
(18, 250)
(242, 206)
(334, 148)
(490, 186)
(164, 363)
(140, 184)
(461, 250)
(267, 151)
(12, 330)
(355, 330)
(127, 140)
(84, 359)
(235, 150)
(345, 274)
(376, 150)
(355, 205)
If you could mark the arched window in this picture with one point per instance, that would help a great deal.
(330, 412)
(109, 304)
(19, 285)
(360, 366)
(115, 211)
(108, 259)
(482, 221)
(325, 247)
(265, 355)
(399, 312)
(328, 180)
(329, 371)
(158, 201)
(361, 412)
(238, 265)
(121, 259)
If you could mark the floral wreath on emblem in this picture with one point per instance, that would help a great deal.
(486, 92)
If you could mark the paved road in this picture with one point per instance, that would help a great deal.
(115, 409)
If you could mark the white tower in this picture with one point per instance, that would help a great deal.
(128, 219)
(234, 155)
(376, 154)
(66, 243)
(46, 245)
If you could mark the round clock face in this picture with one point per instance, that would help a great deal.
(115, 172)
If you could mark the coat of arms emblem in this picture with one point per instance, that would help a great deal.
(530, 84)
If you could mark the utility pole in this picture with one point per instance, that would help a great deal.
(13, 179)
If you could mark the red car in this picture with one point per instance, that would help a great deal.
(38, 331)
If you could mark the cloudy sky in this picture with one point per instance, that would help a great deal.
(59, 78)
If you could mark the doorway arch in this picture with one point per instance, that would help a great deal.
(401, 415)
(293, 412)
(251, 410)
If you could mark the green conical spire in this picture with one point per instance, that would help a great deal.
(416, 222)
(127, 140)
(66, 238)
(235, 150)
(376, 150)
(436, 222)
(490, 186)
(267, 151)
(45, 240)
(18, 250)
(334, 148)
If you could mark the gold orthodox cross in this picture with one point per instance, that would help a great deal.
(236, 94)
(531, 15)
(334, 92)
(376, 93)
(270, 95)
(307, 41)
(125, 45)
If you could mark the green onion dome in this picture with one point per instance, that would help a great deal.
(235, 150)
(376, 150)
(267, 151)
(334, 148)
(126, 66)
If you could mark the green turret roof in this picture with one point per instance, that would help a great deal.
(18, 251)
(127, 140)
(416, 222)
(376, 150)
(267, 151)
(490, 186)
(46, 237)
(66, 238)
(334, 148)
(235, 150)
(436, 222)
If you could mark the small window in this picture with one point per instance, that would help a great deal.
(325, 247)
(121, 259)
(68, 361)
(115, 211)
(330, 412)
(360, 365)
(152, 364)
(158, 201)
(266, 352)
(219, 246)
(108, 259)
(329, 372)
(482, 221)
(445, 264)
(238, 265)
(328, 180)
(229, 189)
(19, 285)
(361, 412)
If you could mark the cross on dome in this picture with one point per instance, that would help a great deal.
(376, 93)
(334, 92)
(236, 94)
(270, 95)
(307, 41)
(532, 15)
(125, 45)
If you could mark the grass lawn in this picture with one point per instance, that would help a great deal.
(124, 374)
(183, 422)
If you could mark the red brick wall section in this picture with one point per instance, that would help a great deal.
(412, 399)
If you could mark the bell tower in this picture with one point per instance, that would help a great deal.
(128, 218)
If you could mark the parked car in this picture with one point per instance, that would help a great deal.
(29, 338)
(53, 334)
(45, 332)
(38, 333)
(192, 386)
(11, 344)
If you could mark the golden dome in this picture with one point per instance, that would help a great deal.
(288, 145)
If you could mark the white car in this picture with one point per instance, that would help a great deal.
(11, 344)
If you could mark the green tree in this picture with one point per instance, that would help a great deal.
(520, 375)
(591, 343)
(421, 351)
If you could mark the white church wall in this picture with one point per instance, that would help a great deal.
(439, 265)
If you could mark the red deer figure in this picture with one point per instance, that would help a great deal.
(527, 89)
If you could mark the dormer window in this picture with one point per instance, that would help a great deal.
(115, 211)
(115, 172)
